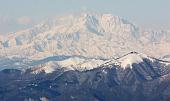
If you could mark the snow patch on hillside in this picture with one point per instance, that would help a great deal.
(130, 59)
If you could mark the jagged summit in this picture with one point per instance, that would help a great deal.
(86, 34)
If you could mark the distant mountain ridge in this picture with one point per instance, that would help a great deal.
(85, 34)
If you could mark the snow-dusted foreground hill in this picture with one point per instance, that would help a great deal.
(78, 63)
(134, 76)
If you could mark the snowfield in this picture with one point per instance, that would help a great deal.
(86, 34)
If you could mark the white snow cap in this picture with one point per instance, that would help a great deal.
(83, 64)
(128, 60)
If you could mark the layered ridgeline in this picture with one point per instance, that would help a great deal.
(85, 34)
(134, 76)
(83, 57)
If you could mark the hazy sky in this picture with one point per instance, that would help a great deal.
(18, 14)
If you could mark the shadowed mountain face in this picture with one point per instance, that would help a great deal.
(145, 81)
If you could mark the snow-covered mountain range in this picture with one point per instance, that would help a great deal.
(85, 57)
(86, 34)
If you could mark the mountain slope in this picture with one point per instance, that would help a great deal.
(147, 80)
(80, 57)
(85, 34)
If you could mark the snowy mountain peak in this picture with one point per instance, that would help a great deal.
(85, 34)
(84, 64)
(130, 59)
(71, 35)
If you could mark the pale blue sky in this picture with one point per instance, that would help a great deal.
(17, 14)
